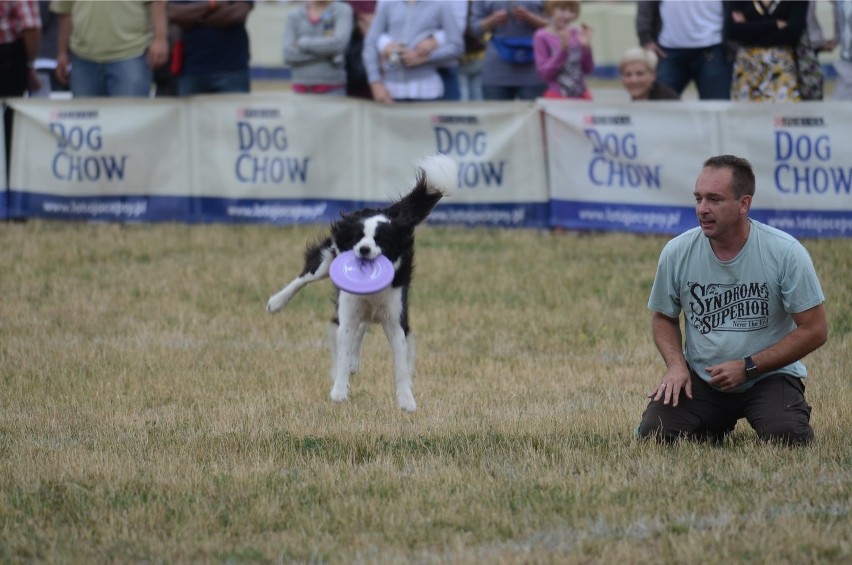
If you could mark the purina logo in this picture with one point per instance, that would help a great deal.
(267, 113)
(460, 120)
(781, 122)
(606, 120)
(73, 115)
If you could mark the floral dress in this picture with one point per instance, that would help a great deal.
(765, 65)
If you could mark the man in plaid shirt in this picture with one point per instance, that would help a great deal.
(20, 35)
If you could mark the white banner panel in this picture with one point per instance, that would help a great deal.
(114, 159)
(283, 158)
(802, 158)
(499, 148)
(629, 166)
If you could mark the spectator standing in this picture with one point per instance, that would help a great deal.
(808, 69)
(357, 84)
(215, 46)
(563, 53)
(768, 32)
(689, 40)
(639, 76)
(20, 38)
(45, 62)
(843, 37)
(20, 34)
(470, 65)
(508, 70)
(753, 308)
(408, 42)
(316, 36)
(166, 77)
(113, 47)
(450, 72)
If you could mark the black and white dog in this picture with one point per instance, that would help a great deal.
(372, 232)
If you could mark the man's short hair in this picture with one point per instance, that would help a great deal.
(742, 175)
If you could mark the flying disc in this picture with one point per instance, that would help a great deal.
(353, 274)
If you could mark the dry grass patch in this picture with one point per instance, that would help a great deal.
(153, 411)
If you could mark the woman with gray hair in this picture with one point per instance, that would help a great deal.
(638, 69)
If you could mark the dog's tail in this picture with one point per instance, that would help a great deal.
(437, 176)
(441, 173)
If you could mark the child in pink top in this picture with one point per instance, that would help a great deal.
(563, 55)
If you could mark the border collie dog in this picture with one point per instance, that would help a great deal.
(369, 233)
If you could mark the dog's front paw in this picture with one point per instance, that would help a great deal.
(406, 400)
(339, 392)
(277, 302)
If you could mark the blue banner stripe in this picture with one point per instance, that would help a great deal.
(672, 220)
(573, 214)
(254, 211)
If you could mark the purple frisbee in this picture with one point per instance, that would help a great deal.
(352, 274)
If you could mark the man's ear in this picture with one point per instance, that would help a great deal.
(745, 203)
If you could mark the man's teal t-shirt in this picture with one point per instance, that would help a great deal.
(739, 307)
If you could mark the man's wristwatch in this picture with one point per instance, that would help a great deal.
(750, 369)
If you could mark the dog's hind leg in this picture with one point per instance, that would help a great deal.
(403, 356)
(355, 354)
(317, 263)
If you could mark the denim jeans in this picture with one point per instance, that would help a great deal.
(450, 78)
(709, 67)
(214, 83)
(470, 80)
(130, 77)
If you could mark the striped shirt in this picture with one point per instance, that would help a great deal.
(15, 17)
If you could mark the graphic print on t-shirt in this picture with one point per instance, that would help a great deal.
(728, 307)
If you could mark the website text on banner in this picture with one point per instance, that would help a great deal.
(633, 165)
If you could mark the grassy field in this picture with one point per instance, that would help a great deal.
(152, 411)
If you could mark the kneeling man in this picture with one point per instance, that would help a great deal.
(753, 308)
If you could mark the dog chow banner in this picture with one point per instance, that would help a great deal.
(627, 167)
(499, 148)
(99, 159)
(803, 163)
(285, 158)
(282, 158)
